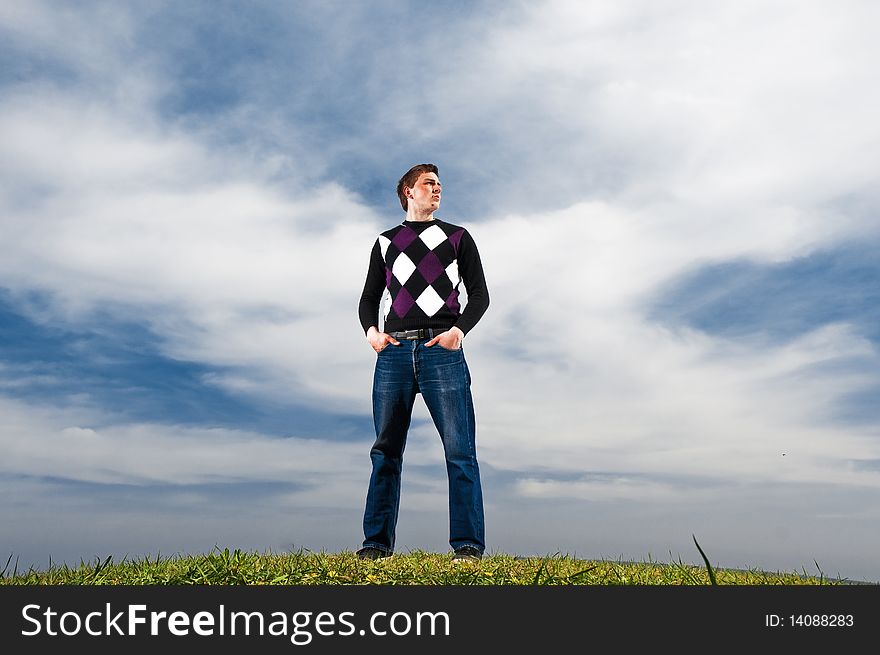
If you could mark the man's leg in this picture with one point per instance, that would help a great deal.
(394, 392)
(445, 383)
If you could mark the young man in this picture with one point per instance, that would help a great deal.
(421, 263)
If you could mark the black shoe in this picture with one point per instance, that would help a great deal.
(369, 552)
(467, 553)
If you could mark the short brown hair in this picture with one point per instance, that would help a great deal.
(410, 177)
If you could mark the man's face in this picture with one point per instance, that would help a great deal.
(425, 193)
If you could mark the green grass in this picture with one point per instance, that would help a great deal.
(222, 567)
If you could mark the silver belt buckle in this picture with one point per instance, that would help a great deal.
(411, 334)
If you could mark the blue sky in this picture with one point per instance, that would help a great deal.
(676, 204)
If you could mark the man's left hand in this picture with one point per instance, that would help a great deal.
(451, 339)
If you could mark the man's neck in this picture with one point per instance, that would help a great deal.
(413, 215)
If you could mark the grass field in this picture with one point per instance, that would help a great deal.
(225, 567)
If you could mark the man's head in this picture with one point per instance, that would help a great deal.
(408, 189)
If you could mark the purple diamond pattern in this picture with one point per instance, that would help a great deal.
(404, 238)
(430, 267)
(455, 239)
(452, 302)
(402, 303)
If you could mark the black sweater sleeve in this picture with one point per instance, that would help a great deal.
(471, 269)
(374, 287)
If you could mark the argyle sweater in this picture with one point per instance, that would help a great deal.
(421, 265)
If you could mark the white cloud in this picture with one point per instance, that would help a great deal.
(721, 111)
(602, 490)
(225, 268)
(572, 376)
(41, 442)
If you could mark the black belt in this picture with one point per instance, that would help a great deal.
(421, 333)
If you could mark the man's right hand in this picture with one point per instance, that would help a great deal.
(379, 340)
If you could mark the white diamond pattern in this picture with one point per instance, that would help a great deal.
(403, 268)
(433, 236)
(452, 273)
(384, 242)
(429, 301)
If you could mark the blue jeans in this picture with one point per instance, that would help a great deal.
(443, 379)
